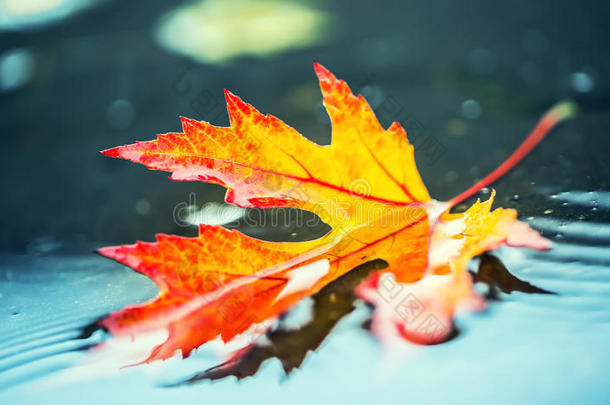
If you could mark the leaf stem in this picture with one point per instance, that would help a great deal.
(560, 112)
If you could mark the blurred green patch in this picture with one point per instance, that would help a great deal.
(215, 31)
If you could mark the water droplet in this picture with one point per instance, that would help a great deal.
(143, 207)
(582, 82)
(16, 68)
(516, 197)
(548, 212)
(471, 109)
(120, 114)
(485, 190)
(457, 127)
(451, 176)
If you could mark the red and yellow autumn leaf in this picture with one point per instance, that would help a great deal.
(364, 185)
(265, 163)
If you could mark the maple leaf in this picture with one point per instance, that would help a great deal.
(365, 185)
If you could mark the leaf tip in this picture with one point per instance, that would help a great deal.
(322, 72)
(230, 97)
(108, 251)
(233, 100)
(237, 108)
(187, 123)
(112, 152)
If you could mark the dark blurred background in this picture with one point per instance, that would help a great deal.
(467, 79)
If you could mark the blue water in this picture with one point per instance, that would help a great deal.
(525, 348)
